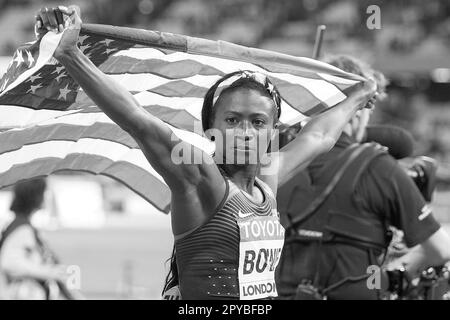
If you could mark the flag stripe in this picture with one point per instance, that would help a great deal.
(191, 111)
(179, 118)
(33, 101)
(137, 179)
(176, 68)
(61, 149)
(141, 182)
(147, 81)
(299, 96)
(80, 126)
(90, 119)
(24, 116)
(319, 88)
(160, 105)
(14, 139)
(170, 70)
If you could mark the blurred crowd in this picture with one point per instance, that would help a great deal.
(406, 25)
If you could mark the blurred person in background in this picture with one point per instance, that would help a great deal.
(338, 211)
(28, 268)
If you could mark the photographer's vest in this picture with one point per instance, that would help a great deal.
(22, 287)
(330, 210)
(39, 287)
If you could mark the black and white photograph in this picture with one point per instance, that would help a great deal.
(190, 150)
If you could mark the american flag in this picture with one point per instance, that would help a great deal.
(48, 124)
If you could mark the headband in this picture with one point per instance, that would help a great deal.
(255, 76)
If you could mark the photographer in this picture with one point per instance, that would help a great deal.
(337, 215)
(28, 268)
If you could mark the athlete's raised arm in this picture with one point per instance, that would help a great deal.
(322, 131)
(318, 136)
(153, 135)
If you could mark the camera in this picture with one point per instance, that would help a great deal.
(423, 172)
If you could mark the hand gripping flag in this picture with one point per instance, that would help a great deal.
(48, 124)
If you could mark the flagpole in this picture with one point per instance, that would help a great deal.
(318, 42)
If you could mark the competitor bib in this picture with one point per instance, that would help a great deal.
(261, 242)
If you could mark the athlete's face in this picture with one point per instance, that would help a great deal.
(245, 120)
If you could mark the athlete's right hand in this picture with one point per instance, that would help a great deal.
(364, 94)
(60, 19)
